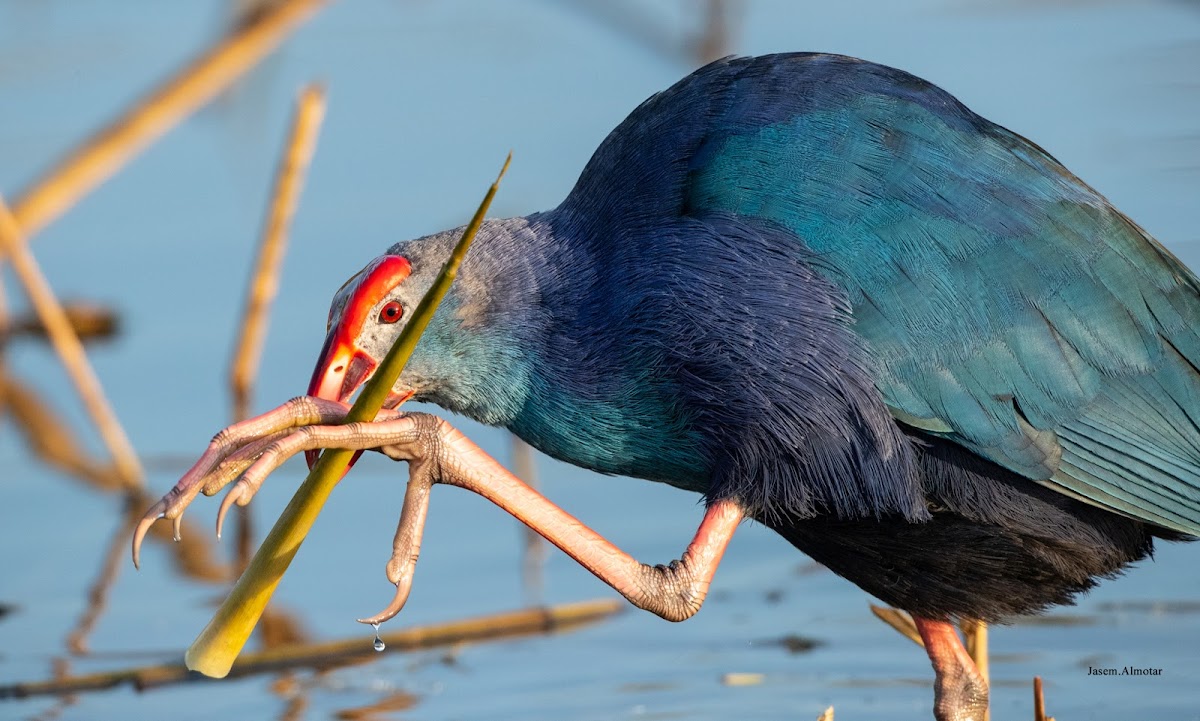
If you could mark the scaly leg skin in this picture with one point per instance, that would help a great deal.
(234, 449)
(960, 692)
(439, 453)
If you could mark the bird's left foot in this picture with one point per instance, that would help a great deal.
(960, 694)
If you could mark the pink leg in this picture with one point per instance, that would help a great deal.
(960, 692)
(675, 591)
(437, 452)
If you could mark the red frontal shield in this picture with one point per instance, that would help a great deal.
(342, 366)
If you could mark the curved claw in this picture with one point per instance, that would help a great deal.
(230, 450)
(406, 547)
(233, 496)
(157, 511)
(237, 462)
(403, 588)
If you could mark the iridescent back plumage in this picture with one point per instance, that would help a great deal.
(1005, 304)
(826, 290)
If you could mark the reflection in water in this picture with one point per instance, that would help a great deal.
(97, 597)
(14, 238)
(53, 442)
(45, 434)
(383, 708)
(60, 669)
(193, 560)
(1151, 608)
(534, 548)
(50, 439)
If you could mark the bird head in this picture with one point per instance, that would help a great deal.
(364, 319)
(468, 359)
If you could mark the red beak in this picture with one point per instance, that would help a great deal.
(341, 369)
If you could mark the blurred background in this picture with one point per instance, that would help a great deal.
(424, 100)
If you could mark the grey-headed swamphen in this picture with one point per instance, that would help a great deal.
(830, 298)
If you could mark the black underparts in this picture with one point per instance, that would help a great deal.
(998, 546)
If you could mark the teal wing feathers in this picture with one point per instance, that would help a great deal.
(1008, 306)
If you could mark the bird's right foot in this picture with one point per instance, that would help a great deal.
(960, 693)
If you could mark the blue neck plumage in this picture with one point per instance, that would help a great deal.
(517, 344)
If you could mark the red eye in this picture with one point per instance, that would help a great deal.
(391, 312)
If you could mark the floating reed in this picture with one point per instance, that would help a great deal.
(331, 654)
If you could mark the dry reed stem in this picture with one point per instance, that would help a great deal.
(108, 150)
(900, 621)
(713, 43)
(331, 654)
(1039, 701)
(53, 442)
(3, 339)
(243, 547)
(264, 281)
(69, 348)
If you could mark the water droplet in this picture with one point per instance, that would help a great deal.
(379, 644)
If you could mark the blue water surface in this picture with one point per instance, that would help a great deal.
(425, 98)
